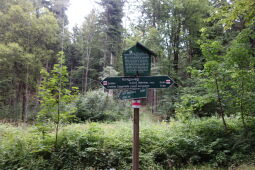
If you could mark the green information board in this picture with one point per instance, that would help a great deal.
(137, 61)
(137, 64)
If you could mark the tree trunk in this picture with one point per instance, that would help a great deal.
(110, 92)
(83, 71)
(87, 69)
(190, 52)
(169, 51)
(17, 100)
(70, 79)
(220, 102)
(83, 79)
(176, 43)
(154, 107)
(37, 102)
(24, 98)
(241, 104)
(27, 96)
(24, 101)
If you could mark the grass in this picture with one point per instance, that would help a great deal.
(197, 144)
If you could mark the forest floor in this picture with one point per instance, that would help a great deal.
(201, 142)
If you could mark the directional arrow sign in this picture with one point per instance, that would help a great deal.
(133, 94)
(137, 82)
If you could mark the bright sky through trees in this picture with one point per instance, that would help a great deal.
(77, 10)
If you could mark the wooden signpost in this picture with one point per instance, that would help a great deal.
(137, 79)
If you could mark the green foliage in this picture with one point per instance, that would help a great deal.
(207, 47)
(112, 29)
(240, 11)
(102, 146)
(225, 81)
(193, 105)
(27, 41)
(100, 106)
(57, 101)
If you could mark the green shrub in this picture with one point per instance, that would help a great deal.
(105, 146)
(99, 106)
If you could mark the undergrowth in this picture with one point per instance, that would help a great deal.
(104, 146)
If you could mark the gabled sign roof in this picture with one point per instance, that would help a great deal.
(143, 48)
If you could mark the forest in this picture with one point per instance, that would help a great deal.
(55, 113)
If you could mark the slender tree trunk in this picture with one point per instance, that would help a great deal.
(190, 50)
(87, 69)
(24, 99)
(154, 106)
(154, 101)
(70, 79)
(190, 56)
(37, 98)
(60, 88)
(27, 96)
(27, 103)
(16, 106)
(58, 120)
(83, 71)
(241, 104)
(169, 51)
(83, 79)
(105, 51)
(110, 92)
(220, 102)
(23, 105)
(83, 74)
(176, 44)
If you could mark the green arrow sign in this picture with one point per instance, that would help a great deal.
(133, 94)
(137, 82)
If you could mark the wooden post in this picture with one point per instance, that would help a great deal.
(135, 161)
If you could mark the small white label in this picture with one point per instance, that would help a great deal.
(105, 83)
(168, 81)
(136, 106)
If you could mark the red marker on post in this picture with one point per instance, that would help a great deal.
(136, 103)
